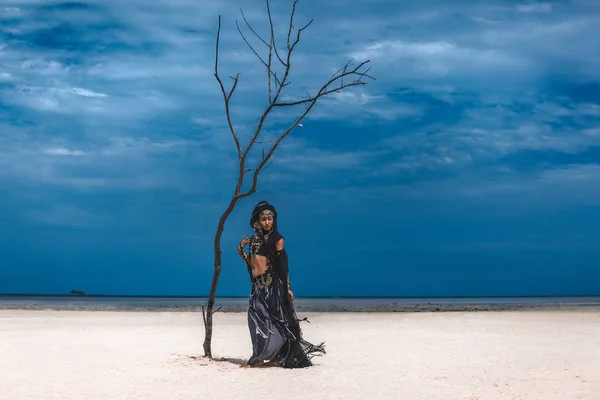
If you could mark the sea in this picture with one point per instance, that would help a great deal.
(319, 304)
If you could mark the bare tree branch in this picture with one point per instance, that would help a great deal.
(291, 26)
(227, 96)
(266, 64)
(269, 70)
(324, 89)
(252, 29)
(271, 45)
(249, 45)
(299, 31)
(264, 141)
(261, 165)
(269, 164)
(310, 102)
(280, 86)
(273, 35)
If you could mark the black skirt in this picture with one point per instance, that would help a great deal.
(274, 326)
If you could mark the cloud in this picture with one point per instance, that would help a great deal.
(353, 98)
(462, 130)
(95, 90)
(497, 44)
(104, 164)
(55, 99)
(534, 8)
(86, 92)
(460, 148)
(559, 188)
(60, 151)
(298, 155)
(572, 185)
(439, 58)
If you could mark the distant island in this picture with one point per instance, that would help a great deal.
(78, 293)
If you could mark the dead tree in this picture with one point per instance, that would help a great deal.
(349, 75)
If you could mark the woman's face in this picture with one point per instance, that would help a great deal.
(266, 222)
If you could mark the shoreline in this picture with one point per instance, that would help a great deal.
(400, 308)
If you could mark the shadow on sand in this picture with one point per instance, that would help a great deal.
(231, 360)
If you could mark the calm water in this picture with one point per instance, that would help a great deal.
(240, 302)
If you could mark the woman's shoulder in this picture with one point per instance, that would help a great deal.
(277, 236)
(274, 238)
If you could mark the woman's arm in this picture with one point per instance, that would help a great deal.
(279, 248)
(243, 254)
(241, 250)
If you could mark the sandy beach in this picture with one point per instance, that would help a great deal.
(454, 355)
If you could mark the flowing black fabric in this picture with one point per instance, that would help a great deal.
(272, 320)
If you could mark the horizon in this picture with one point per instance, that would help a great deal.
(83, 297)
(469, 168)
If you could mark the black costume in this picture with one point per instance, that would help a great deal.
(274, 326)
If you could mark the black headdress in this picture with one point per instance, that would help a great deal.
(262, 242)
(260, 207)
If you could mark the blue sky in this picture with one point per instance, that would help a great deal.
(471, 167)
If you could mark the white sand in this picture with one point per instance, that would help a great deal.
(133, 355)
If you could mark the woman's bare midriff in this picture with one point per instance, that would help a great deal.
(259, 265)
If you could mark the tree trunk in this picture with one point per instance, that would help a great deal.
(215, 280)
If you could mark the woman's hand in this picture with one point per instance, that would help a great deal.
(243, 243)
(291, 294)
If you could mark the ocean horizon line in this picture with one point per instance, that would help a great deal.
(86, 295)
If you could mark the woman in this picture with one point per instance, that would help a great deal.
(274, 327)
